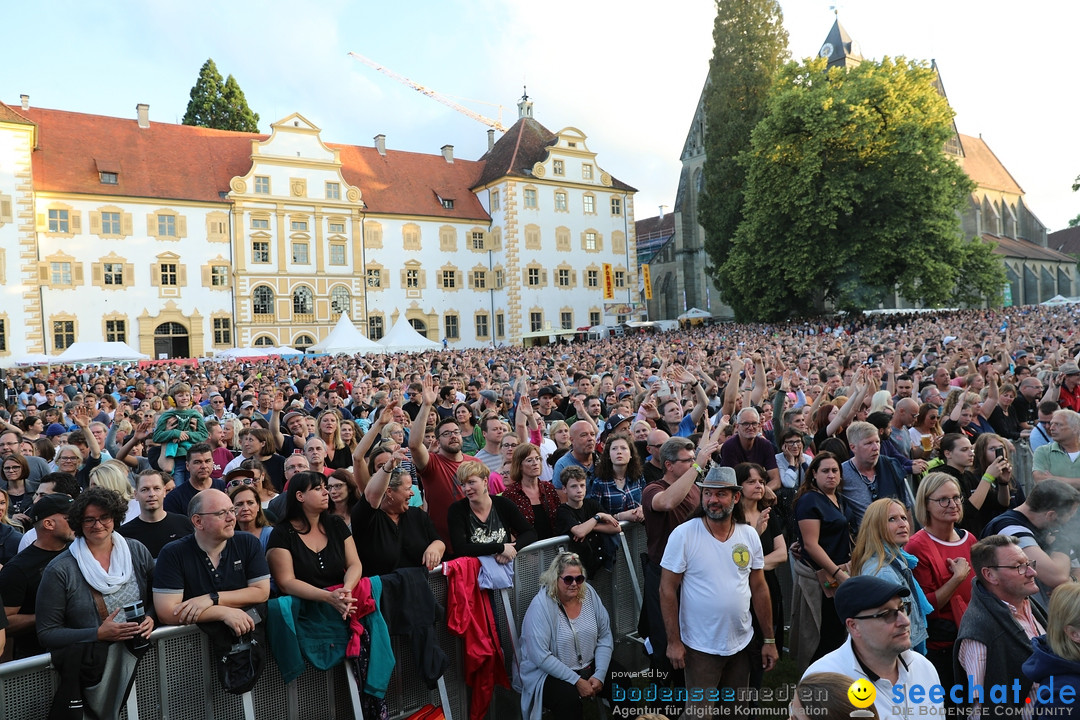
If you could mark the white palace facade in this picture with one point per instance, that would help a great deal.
(183, 241)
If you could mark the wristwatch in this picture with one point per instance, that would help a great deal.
(214, 598)
(596, 517)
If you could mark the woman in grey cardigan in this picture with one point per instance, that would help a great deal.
(566, 643)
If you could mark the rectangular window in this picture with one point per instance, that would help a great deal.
(592, 279)
(222, 331)
(110, 223)
(536, 321)
(557, 167)
(452, 331)
(566, 318)
(260, 251)
(298, 225)
(616, 206)
(300, 253)
(620, 278)
(586, 171)
(375, 327)
(58, 221)
(530, 198)
(590, 240)
(590, 204)
(500, 325)
(168, 274)
(113, 273)
(262, 185)
(337, 227)
(560, 201)
(447, 204)
(564, 277)
(115, 331)
(219, 275)
(337, 254)
(166, 225)
(534, 277)
(449, 279)
(594, 318)
(478, 240)
(333, 191)
(61, 273)
(109, 178)
(479, 279)
(374, 277)
(412, 279)
(260, 223)
(499, 279)
(481, 326)
(3, 336)
(63, 334)
(495, 200)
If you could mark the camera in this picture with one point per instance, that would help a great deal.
(999, 451)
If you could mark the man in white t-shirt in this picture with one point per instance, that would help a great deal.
(713, 571)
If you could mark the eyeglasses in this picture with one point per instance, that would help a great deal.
(67, 458)
(1020, 569)
(947, 501)
(508, 446)
(335, 486)
(889, 615)
(12, 468)
(103, 521)
(220, 514)
(573, 579)
(793, 442)
(450, 433)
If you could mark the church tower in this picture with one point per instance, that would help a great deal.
(840, 49)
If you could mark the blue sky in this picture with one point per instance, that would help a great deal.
(626, 73)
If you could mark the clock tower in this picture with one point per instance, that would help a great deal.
(840, 49)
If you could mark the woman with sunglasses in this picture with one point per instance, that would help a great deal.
(566, 643)
(250, 517)
(260, 479)
(943, 550)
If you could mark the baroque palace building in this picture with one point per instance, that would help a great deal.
(183, 241)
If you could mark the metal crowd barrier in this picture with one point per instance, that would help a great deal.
(1021, 462)
(176, 680)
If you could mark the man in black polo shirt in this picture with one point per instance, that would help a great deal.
(154, 527)
(214, 574)
(20, 577)
(200, 465)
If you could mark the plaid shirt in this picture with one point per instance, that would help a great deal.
(613, 500)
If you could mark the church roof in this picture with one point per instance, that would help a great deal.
(845, 50)
(1066, 241)
(1014, 248)
(982, 165)
(181, 162)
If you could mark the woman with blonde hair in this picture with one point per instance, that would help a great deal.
(113, 474)
(329, 429)
(566, 643)
(879, 551)
(1055, 657)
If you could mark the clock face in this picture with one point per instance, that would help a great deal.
(826, 50)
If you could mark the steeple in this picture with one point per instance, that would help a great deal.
(525, 106)
(839, 48)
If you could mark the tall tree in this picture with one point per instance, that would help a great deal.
(750, 49)
(219, 104)
(849, 197)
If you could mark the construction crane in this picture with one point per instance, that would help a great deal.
(433, 94)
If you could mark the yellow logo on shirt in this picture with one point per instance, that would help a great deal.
(740, 555)
(862, 693)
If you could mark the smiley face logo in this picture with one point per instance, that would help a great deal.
(740, 555)
(862, 693)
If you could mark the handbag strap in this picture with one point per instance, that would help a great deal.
(99, 603)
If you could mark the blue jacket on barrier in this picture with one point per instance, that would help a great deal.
(304, 629)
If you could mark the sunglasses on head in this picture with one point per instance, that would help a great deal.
(573, 579)
(237, 482)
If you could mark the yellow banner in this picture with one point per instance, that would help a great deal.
(609, 282)
(646, 278)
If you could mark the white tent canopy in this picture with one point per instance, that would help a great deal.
(1060, 300)
(404, 338)
(345, 339)
(99, 352)
(236, 353)
(27, 360)
(284, 350)
(694, 313)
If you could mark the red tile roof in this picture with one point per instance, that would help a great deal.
(982, 165)
(9, 115)
(1066, 241)
(180, 162)
(1010, 247)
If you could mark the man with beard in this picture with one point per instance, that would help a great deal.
(713, 572)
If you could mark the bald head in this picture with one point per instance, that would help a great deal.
(905, 413)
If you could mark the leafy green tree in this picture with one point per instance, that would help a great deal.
(219, 104)
(750, 48)
(849, 196)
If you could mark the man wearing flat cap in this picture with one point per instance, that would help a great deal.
(712, 573)
(1066, 385)
(878, 648)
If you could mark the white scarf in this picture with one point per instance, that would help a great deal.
(119, 573)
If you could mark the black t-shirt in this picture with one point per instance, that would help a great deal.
(177, 500)
(156, 535)
(185, 567)
(385, 546)
(834, 535)
(19, 580)
(275, 470)
(322, 569)
(567, 517)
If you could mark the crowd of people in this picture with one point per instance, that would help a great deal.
(857, 475)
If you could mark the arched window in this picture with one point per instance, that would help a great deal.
(303, 342)
(340, 300)
(264, 341)
(262, 300)
(303, 302)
